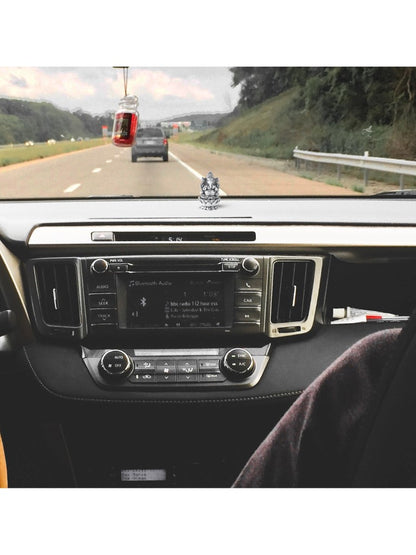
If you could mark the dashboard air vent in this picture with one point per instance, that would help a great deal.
(292, 290)
(58, 294)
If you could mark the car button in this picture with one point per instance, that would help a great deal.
(142, 378)
(114, 267)
(248, 283)
(165, 370)
(144, 365)
(106, 300)
(162, 364)
(212, 377)
(101, 283)
(209, 365)
(247, 315)
(247, 299)
(166, 378)
(102, 316)
(187, 367)
(185, 378)
(102, 236)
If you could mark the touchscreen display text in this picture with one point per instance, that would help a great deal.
(179, 300)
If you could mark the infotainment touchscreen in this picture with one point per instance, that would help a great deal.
(176, 300)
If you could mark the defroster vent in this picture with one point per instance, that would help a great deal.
(57, 288)
(292, 290)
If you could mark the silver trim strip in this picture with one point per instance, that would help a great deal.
(55, 299)
(13, 290)
(281, 235)
(304, 325)
(175, 352)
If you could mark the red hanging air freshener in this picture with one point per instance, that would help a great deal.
(125, 121)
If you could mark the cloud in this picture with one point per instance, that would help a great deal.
(35, 83)
(18, 81)
(160, 85)
(162, 91)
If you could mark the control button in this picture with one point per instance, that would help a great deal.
(101, 283)
(186, 378)
(144, 365)
(209, 364)
(134, 378)
(238, 364)
(247, 299)
(250, 266)
(165, 370)
(230, 266)
(99, 266)
(107, 300)
(166, 378)
(162, 364)
(103, 316)
(248, 283)
(247, 315)
(187, 367)
(115, 364)
(102, 236)
(113, 267)
(142, 378)
(212, 377)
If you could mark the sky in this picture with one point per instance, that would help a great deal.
(163, 92)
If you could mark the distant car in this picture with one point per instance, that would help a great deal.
(150, 141)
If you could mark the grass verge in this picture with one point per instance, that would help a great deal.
(18, 154)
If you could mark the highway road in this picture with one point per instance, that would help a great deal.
(108, 170)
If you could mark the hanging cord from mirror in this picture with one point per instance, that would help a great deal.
(125, 76)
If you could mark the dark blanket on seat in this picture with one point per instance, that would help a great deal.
(311, 445)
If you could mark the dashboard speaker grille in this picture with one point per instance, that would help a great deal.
(58, 292)
(292, 290)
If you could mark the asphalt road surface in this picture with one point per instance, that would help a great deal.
(108, 170)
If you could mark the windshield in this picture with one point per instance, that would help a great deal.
(157, 132)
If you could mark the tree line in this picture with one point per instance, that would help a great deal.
(22, 121)
(352, 95)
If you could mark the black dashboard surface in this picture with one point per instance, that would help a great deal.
(293, 365)
(58, 366)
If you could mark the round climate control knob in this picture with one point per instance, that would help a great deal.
(250, 266)
(115, 364)
(99, 266)
(238, 364)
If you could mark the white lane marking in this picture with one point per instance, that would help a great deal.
(96, 170)
(72, 188)
(108, 161)
(193, 172)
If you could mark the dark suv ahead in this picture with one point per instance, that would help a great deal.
(150, 141)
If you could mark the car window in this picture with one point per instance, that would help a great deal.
(150, 132)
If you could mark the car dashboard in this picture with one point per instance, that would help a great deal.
(151, 343)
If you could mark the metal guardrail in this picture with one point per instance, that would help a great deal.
(392, 165)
